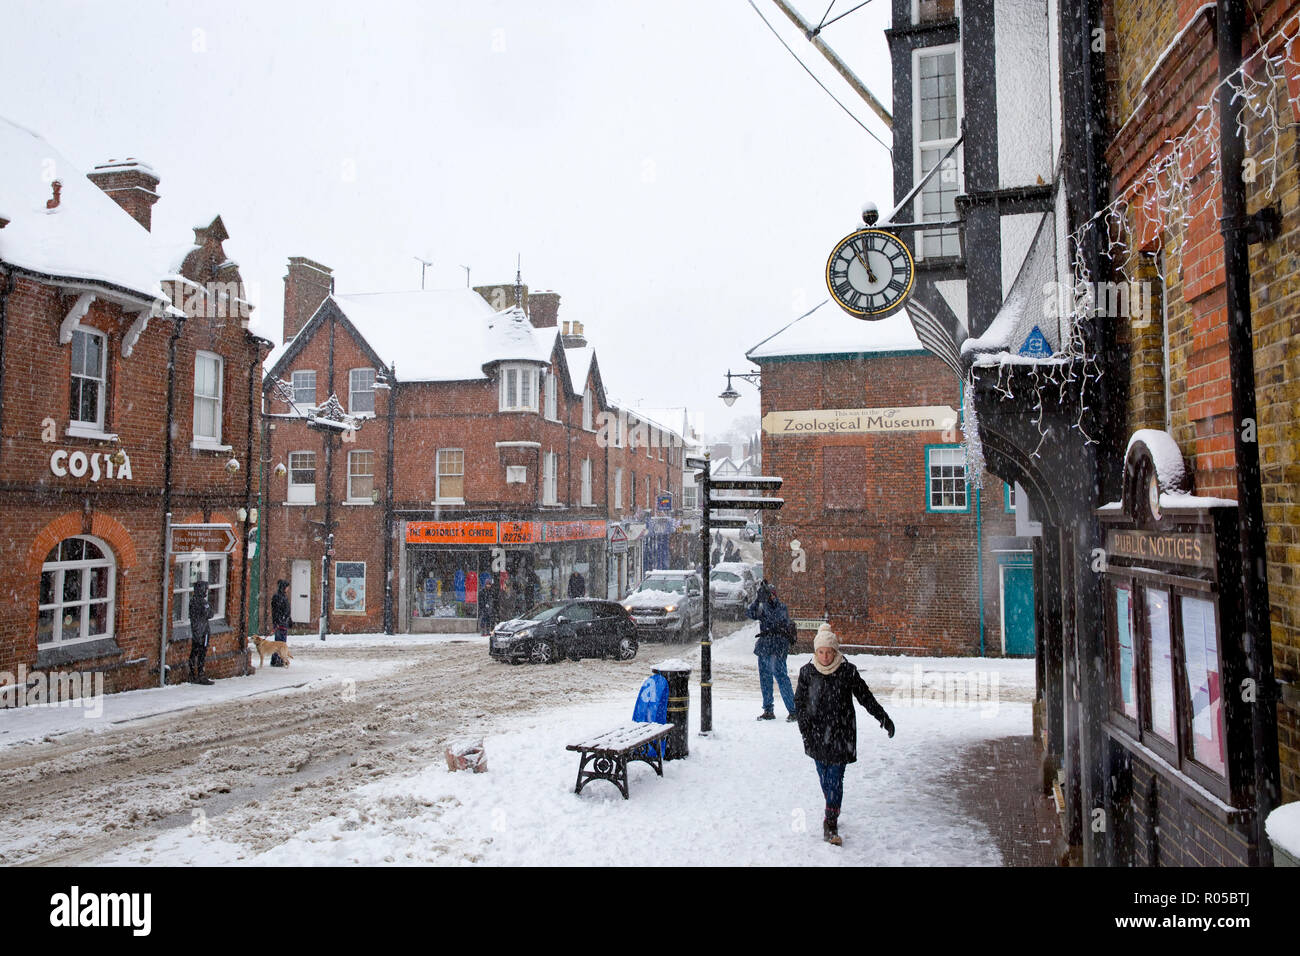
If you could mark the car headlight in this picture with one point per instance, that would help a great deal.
(670, 608)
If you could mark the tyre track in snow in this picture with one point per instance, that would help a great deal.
(261, 768)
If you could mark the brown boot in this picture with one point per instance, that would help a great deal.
(830, 827)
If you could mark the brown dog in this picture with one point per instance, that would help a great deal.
(265, 647)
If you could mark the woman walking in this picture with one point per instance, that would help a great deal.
(824, 704)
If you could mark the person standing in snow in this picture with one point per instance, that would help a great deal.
(577, 585)
(199, 631)
(824, 701)
(772, 646)
(488, 596)
(281, 619)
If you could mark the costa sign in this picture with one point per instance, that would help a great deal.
(96, 465)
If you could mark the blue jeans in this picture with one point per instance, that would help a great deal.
(831, 776)
(769, 666)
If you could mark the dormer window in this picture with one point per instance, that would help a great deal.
(518, 388)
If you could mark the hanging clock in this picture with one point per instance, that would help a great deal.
(870, 272)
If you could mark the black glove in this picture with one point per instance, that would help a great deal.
(888, 725)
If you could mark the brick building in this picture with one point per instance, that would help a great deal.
(474, 441)
(899, 551)
(1104, 333)
(111, 339)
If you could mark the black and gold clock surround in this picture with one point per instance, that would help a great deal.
(869, 273)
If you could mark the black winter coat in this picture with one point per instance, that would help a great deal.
(199, 613)
(824, 703)
(281, 616)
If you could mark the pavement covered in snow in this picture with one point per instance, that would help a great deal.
(746, 794)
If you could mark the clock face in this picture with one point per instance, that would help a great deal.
(869, 272)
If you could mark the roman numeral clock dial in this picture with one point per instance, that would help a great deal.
(869, 273)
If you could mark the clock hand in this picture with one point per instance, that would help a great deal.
(871, 276)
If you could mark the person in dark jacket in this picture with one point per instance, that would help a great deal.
(199, 631)
(577, 585)
(281, 619)
(532, 588)
(489, 597)
(772, 646)
(827, 685)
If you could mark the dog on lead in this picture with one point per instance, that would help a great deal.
(265, 646)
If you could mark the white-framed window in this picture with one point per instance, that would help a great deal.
(550, 465)
(518, 388)
(937, 106)
(451, 475)
(89, 381)
(192, 567)
(361, 475)
(659, 442)
(587, 403)
(349, 585)
(552, 411)
(618, 489)
(586, 481)
(361, 391)
(78, 586)
(934, 11)
(302, 478)
(304, 388)
(690, 497)
(946, 478)
(207, 398)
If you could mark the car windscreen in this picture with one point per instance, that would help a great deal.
(724, 576)
(543, 612)
(677, 585)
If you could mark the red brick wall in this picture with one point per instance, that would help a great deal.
(921, 588)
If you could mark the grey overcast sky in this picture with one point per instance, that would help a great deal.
(665, 166)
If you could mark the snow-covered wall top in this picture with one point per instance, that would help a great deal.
(1171, 470)
(1024, 92)
(827, 330)
(87, 236)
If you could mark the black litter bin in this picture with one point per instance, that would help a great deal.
(678, 676)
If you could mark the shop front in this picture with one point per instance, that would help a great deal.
(445, 565)
(1179, 724)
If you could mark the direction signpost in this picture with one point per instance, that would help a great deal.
(212, 538)
(708, 485)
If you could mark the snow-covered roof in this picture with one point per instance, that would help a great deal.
(579, 361)
(87, 238)
(1013, 329)
(828, 330)
(437, 335)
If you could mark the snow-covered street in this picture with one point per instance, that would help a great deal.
(339, 760)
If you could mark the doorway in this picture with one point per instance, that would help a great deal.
(300, 592)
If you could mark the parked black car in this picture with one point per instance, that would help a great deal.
(579, 627)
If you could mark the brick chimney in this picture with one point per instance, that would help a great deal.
(130, 183)
(306, 286)
(543, 309)
(572, 336)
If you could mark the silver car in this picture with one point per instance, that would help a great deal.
(732, 587)
(670, 603)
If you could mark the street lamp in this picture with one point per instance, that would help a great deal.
(729, 394)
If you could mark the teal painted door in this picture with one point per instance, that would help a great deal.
(1018, 609)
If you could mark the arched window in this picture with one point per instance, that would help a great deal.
(78, 583)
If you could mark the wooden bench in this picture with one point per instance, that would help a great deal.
(605, 756)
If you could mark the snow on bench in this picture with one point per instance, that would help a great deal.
(608, 753)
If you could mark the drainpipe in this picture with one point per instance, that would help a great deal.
(1256, 637)
(248, 507)
(5, 291)
(165, 560)
(389, 471)
(979, 563)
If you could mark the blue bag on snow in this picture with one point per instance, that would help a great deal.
(652, 705)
